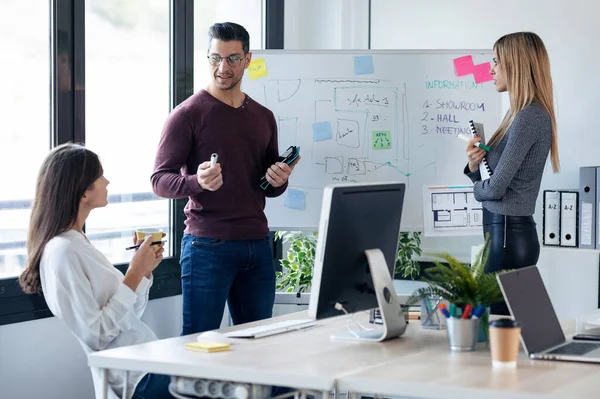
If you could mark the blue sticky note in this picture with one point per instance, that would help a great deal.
(363, 65)
(295, 199)
(322, 131)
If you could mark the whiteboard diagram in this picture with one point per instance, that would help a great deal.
(392, 120)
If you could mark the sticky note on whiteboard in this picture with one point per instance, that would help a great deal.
(463, 65)
(382, 139)
(295, 199)
(481, 73)
(257, 69)
(363, 65)
(322, 131)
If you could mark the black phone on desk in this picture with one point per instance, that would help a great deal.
(586, 337)
(287, 157)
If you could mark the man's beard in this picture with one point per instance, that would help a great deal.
(232, 85)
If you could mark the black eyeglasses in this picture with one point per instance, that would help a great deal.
(233, 60)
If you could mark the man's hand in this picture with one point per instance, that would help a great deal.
(209, 178)
(279, 172)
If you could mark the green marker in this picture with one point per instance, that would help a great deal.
(477, 144)
(452, 310)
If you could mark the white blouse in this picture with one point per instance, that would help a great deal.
(84, 290)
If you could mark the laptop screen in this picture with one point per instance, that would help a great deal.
(529, 303)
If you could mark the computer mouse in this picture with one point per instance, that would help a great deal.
(213, 336)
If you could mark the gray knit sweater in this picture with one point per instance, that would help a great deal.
(517, 164)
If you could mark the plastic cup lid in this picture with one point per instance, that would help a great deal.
(505, 323)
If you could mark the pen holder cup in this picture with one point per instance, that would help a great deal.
(431, 318)
(462, 333)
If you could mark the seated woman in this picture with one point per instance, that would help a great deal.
(100, 305)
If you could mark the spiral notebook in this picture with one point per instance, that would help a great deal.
(484, 168)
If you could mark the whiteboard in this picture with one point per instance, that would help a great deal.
(372, 115)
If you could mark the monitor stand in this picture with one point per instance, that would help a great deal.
(394, 323)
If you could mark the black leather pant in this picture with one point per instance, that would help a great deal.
(513, 244)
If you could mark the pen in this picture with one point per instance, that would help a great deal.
(213, 159)
(476, 144)
(452, 310)
(478, 312)
(467, 311)
(139, 245)
(443, 309)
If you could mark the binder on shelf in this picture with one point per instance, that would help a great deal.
(484, 168)
(569, 218)
(551, 221)
(588, 195)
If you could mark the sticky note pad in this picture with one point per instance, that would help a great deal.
(481, 73)
(295, 199)
(257, 68)
(363, 65)
(322, 131)
(463, 65)
(207, 346)
(382, 139)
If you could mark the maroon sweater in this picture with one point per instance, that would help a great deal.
(245, 139)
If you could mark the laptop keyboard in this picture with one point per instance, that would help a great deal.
(574, 348)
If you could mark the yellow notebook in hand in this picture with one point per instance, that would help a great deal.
(207, 346)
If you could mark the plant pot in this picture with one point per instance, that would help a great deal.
(484, 327)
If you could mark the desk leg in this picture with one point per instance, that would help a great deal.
(124, 396)
(104, 378)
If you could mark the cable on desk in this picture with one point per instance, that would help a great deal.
(339, 306)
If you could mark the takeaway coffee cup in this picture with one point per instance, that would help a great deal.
(504, 342)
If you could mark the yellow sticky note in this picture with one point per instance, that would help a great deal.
(257, 68)
(207, 346)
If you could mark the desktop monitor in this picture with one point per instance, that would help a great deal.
(357, 217)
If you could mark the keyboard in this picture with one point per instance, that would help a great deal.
(266, 330)
(574, 348)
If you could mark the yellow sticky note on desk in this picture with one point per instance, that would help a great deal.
(206, 346)
(257, 68)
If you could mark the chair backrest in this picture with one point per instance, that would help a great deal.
(97, 376)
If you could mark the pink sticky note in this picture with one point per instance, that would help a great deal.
(481, 73)
(463, 65)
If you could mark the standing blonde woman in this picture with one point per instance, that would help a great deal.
(518, 154)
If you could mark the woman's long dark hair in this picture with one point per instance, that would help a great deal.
(66, 173)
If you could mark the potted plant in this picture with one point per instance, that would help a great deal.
(461, 283)
(297, 266)
(409, 247)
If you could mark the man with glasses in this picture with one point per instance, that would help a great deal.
(225, 252)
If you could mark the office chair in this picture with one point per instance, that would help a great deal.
(97, 376)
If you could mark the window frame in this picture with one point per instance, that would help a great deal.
(67, 37)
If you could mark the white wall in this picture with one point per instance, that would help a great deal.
(570, 30)
(326, 24)
(42, 359)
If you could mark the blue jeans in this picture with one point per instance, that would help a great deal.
(153, 386)
(215, 271)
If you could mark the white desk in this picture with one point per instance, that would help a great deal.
(418, 364)
(424, 368)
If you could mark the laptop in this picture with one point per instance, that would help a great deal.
(542, 336)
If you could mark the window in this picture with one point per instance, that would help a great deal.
(127, 103)
(25, 131)
(105, 73)
(247, 13)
